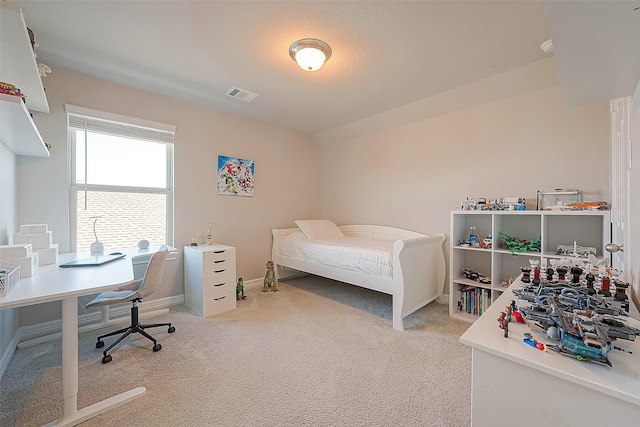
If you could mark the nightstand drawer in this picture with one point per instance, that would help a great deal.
(218, 265)
(219, 304)
(219, 276)
(215, 290)
(217, 256)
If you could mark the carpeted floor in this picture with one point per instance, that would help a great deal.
(316, 353)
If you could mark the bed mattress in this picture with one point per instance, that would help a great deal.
(372, 257)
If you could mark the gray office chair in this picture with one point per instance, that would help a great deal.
(134, 291)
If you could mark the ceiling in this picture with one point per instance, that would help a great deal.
(597, 48)
(386, 54)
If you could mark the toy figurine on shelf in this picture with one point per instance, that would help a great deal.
(193, 240)
(240, 289)
(621, 295)
(504, 324)
(508, 311)
(576, 272)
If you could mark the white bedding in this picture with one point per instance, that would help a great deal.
(373, 257)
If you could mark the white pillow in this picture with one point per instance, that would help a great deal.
(318, 229)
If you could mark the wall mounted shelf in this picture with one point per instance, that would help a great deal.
(19, 133)
(18, 67)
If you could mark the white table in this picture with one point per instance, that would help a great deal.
(514, 383)
(52, 283)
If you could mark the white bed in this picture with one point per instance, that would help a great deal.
(407, 265)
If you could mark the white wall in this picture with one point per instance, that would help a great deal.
(287, 174)
(409, 176)
(412, 175)
(634, 202)
(8, 185)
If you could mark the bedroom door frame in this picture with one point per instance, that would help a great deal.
(621, 183)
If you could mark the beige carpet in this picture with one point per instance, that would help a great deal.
(317, 353)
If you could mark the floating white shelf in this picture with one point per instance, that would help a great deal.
(18, 131)
(18, 67)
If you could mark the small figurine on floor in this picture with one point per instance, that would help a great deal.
(240, 289)
(270, 279)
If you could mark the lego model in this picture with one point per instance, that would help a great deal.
(475, 276)
(518, 245)
(575, 313)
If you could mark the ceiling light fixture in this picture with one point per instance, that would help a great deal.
(310, 54)
(547, 47)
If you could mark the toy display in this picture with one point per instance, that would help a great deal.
(499, 204)
(475, 276)
(577, 311)
(559, 196)
(562, 200)
(475, 241)
(518, 245)
(575, 250)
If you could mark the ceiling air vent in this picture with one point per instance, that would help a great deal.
(241, 94)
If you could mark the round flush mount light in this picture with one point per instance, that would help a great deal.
(310, 54)
(547, 47)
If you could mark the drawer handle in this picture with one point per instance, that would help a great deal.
(220, 284)
(218, 299)
(219, 261)
(219, 271)
(218, 252)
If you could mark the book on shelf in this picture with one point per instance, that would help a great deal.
(474, 300)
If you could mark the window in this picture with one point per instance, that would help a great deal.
(121, 180)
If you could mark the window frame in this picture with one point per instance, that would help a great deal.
(124, 122)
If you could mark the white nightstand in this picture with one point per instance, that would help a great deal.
(210, 278)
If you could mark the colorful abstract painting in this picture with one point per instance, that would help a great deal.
(235, 176)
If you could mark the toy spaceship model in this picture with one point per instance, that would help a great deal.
(578, 311)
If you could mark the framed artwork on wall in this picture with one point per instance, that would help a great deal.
(235, 176)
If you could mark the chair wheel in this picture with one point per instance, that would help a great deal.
(107, 358)
(172, 329)
(156, 347)
(100, 344)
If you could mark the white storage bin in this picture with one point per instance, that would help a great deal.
(15, 251)
(37, 240)
(9, 277)
(28, 265)
(34, 228)
(48, 255)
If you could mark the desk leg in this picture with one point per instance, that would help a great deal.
(70, 355)
(71, 416)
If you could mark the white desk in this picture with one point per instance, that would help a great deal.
(515, 383)
(52, 283)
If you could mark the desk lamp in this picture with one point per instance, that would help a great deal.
(97, 248)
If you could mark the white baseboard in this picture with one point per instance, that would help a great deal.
(47, 331)
(253, 283)
(8, 354)
(444, 299)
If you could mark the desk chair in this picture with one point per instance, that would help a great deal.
(134, 291)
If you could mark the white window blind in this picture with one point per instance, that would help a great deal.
(114, 124)
(121, 172)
